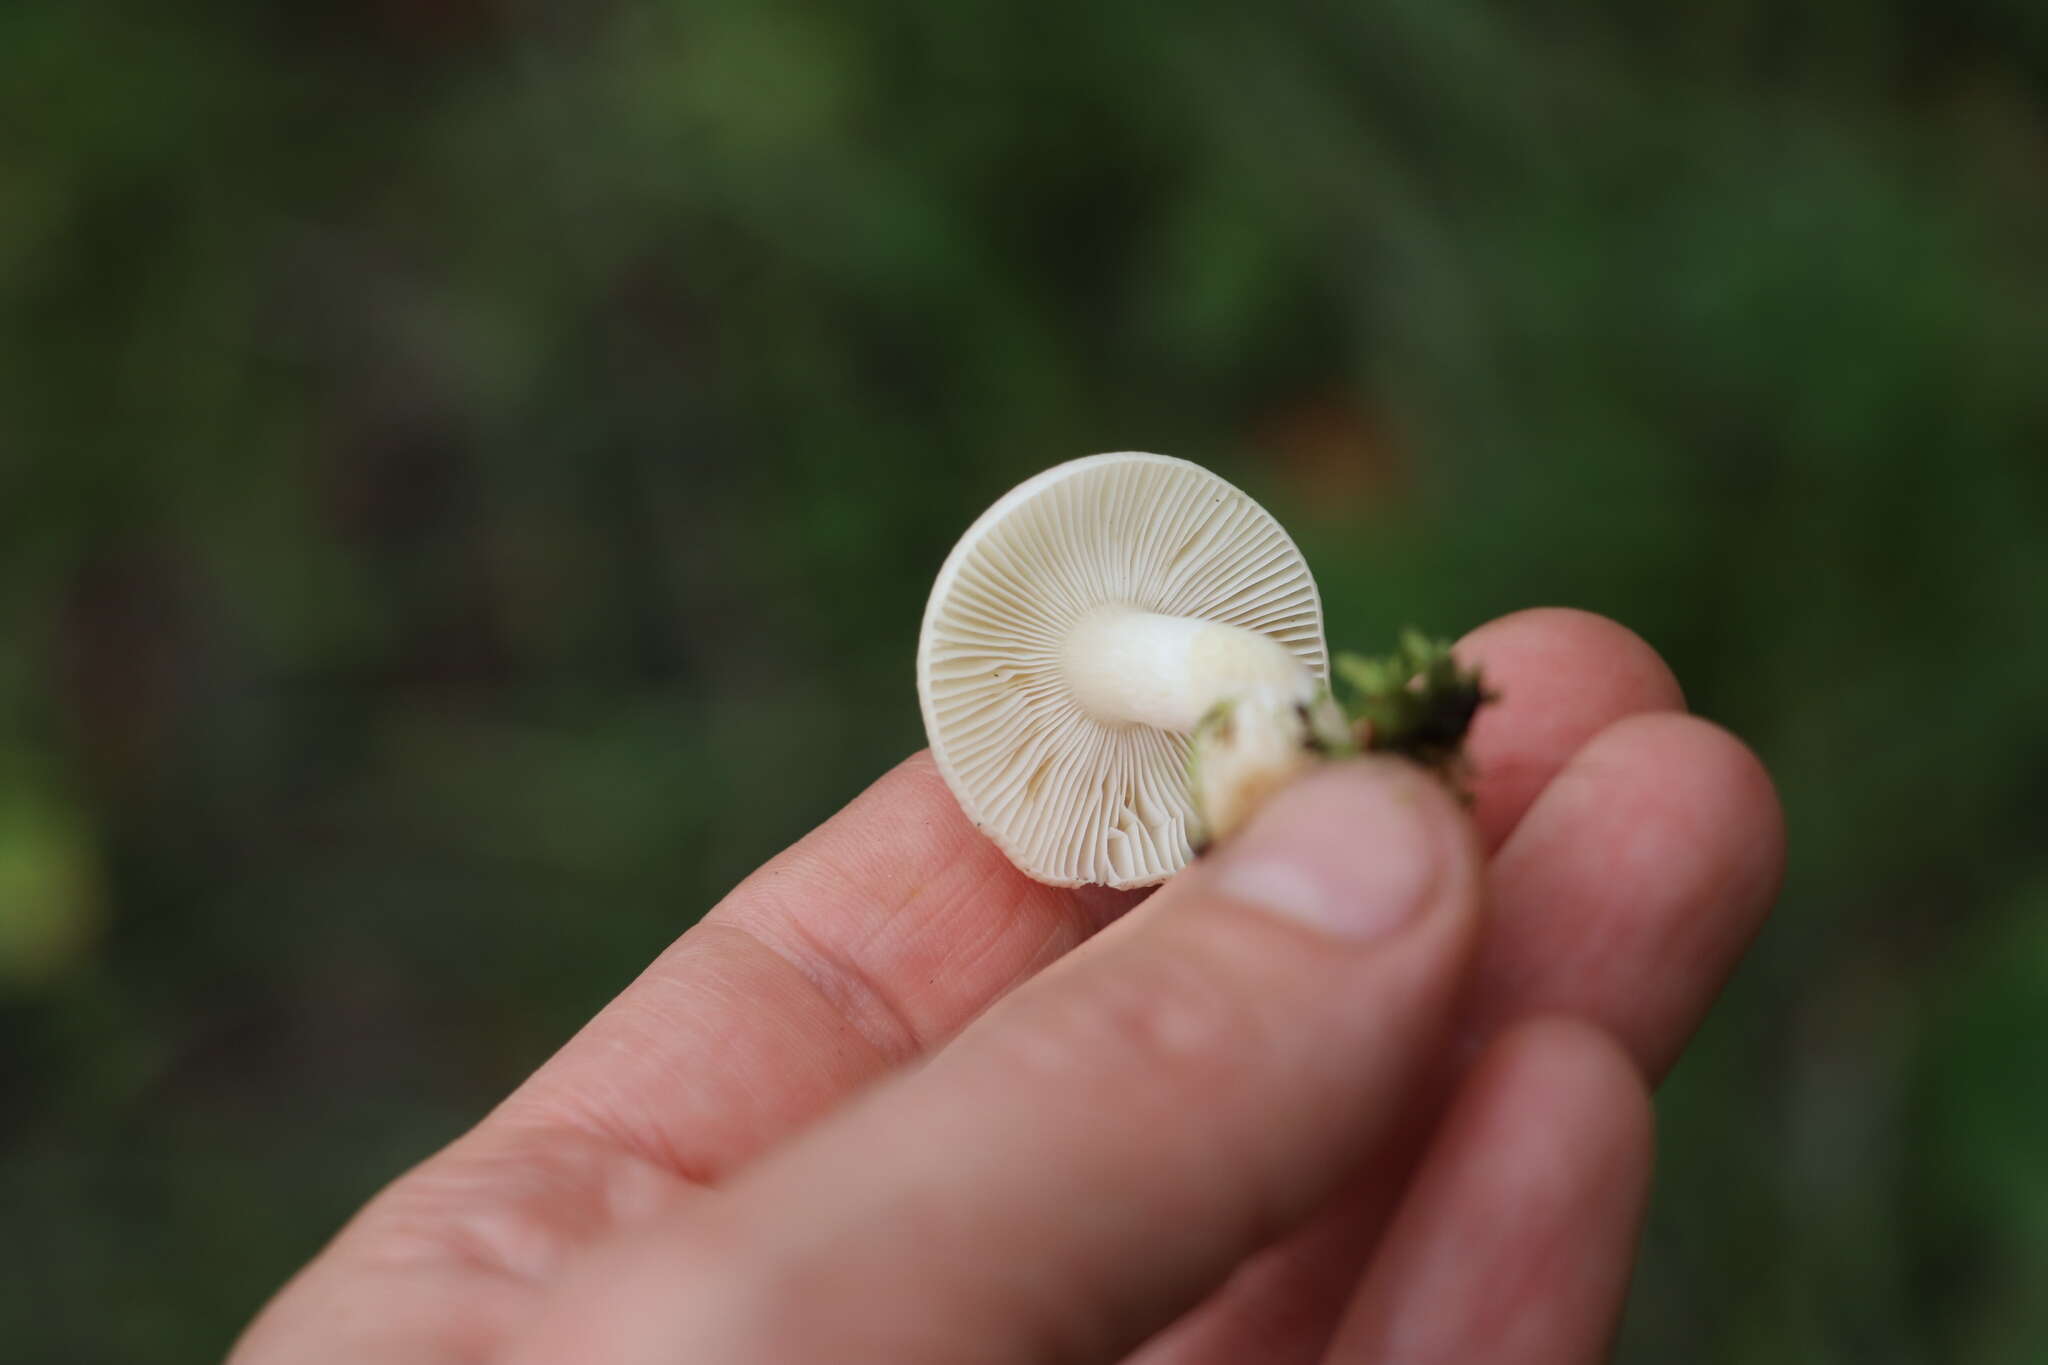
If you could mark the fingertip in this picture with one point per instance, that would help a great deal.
(1708, 784)
(1352, 792)
(1735, 775)
(1631, 887)
(1560, 676)
(1356, 849)
(1568, 638)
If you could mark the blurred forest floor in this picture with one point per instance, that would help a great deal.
(472, 472)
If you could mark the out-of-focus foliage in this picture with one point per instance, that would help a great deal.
(471, 473)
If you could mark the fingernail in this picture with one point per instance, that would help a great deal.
(1349, 852)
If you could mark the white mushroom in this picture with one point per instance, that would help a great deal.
(1077, 634)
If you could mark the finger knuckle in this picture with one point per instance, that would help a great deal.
(1160, 1015)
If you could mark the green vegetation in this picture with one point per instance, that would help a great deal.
(469, 477)
(1415, 702)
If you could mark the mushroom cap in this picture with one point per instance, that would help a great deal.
(1070, 798)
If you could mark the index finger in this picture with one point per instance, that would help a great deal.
(859, 948)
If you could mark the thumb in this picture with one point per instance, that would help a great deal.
(1106, 1143)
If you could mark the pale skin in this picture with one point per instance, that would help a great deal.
(1368, 1084)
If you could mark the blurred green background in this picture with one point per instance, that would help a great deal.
(472, 471)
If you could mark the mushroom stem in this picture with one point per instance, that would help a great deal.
(1137, 667)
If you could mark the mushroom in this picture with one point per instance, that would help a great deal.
(1081, 631)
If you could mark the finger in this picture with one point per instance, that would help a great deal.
(1560, 677)
(1515, 1243)
(1106, 1142)
(1624, 896)
(1632, 887)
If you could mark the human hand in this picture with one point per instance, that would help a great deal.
(1368, 1084)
